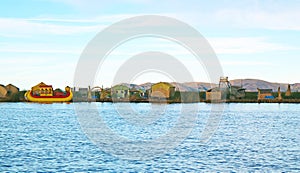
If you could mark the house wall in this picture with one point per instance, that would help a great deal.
(162, 90)
(262, 96)
(213, 95)
(120, 91)
(263, 93)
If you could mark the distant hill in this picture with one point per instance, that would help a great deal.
(251, 85)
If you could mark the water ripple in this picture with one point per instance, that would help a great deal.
(251, 137)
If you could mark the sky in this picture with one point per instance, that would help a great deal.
(42, 40)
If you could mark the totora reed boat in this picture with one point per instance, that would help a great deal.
(45, 93)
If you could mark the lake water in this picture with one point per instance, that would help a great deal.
(52, 137)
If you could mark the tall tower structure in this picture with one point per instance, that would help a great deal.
(224, 83)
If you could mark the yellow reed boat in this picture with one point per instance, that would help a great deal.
(44, 93)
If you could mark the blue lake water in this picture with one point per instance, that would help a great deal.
(49, 137)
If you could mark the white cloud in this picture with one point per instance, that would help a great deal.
(221, 45)
(245, 18)
(39, 48)
(277, 15)
(96, 5)
(53, 50)
(245, 45)
(24, 28)
(95, 19)
(246, 63)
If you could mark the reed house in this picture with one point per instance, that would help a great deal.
(162, 90)
(3, 91)
(120, 91)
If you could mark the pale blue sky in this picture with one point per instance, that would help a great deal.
(41, 40)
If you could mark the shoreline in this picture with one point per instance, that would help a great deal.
(184, 97)
(284, 101)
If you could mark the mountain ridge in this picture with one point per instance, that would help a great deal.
(250, 85)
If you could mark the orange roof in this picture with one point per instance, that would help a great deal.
(42, 85)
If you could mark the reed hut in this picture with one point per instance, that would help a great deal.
(3, 91)
(162, 90)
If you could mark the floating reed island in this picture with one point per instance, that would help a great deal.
(163, 92)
